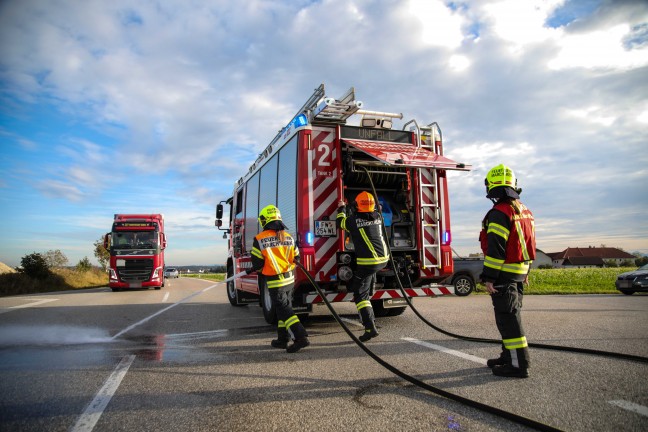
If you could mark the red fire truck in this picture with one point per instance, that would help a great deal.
(317, 160)
(136, 246)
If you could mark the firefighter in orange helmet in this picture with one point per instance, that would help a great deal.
(274, 254)
(366, 229)
(508, 242)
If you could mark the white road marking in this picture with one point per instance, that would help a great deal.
(140, 322)
(33, 303)
(463, 355)
(199, 335)
(166, 297)
(91, 415)
(630, 406)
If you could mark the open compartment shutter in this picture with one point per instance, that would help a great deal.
(396, 154)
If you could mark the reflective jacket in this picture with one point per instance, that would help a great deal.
(367, 234)
(274, 254)
(507, 241)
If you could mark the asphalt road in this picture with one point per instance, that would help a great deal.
(183, 359)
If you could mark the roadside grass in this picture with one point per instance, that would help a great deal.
(572, 281)
(60, 279)
(209, 276)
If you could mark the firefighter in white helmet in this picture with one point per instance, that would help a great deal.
(508, 243)
(366, 229)
(274, 254)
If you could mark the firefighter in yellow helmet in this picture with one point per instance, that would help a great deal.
(366, 229)
(508, 243)
(274, 254)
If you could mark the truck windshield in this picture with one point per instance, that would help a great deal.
(140, 242)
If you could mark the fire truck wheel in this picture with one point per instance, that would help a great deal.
(231, 289)
(269, 312)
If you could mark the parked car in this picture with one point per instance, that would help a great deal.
(171, 272)
(634, 281)
(466, 275)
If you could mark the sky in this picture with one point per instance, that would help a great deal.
(160, 106)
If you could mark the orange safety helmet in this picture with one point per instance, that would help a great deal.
(365, 202)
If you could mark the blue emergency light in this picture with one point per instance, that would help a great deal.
(300, 120)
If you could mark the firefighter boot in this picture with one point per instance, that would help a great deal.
(366, 314)
(500, 361)
(298, 344)
(299, 333)
(282, 337)
(508, 370)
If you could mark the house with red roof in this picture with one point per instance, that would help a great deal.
(589, 257)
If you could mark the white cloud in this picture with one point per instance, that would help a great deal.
(439, 25)
(601, 49)
(521, 23)
(458, 63)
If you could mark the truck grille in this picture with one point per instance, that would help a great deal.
(137, 270)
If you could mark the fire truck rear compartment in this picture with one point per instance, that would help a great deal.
(392, 185)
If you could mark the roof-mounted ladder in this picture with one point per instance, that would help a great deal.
(319, 107)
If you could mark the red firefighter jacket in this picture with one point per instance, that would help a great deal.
(508, 242)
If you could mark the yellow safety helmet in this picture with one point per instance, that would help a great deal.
(500, 175)
(365, 202)
(268, 214)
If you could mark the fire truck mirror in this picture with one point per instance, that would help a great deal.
(164, 242)
(219, 223)
(219, 212)
(106, 243)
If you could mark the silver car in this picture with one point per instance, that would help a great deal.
(171, 272)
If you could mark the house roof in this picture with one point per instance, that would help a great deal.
(578, 260)
(600, 252)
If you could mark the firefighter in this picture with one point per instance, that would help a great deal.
(366, 229)
(508, 242)
(274, 254)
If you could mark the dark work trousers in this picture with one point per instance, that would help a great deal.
(361, 287)
(507, 303)
(288, 321)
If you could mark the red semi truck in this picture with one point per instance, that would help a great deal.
(318, 160)
(136, 244)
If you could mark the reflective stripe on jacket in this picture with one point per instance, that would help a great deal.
(507, 241)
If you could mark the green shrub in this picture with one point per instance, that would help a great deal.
(35, 266)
